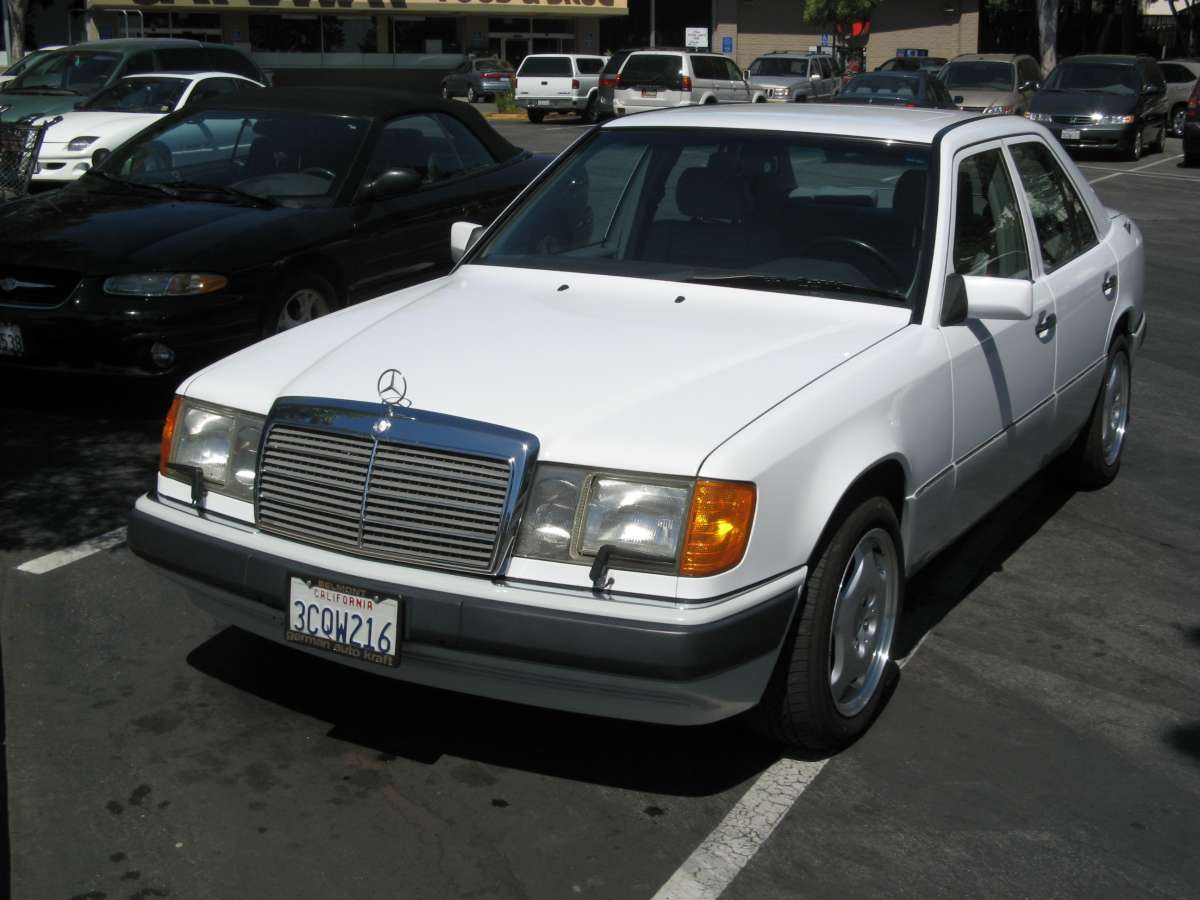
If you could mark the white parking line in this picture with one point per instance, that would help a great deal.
(732, 844)
(1134, 171)
(60, 558)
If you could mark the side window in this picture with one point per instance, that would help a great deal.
(989, 238)
(1028, 70)
(826, 68)
(1063, 228)
(434, 145)
(212, 87)
(139, 63)
(704, 67)
(732, 72)
(589, 66)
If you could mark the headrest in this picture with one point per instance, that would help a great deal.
(703, 194)
(909, 198)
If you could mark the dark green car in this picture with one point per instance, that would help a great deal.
(62, 79)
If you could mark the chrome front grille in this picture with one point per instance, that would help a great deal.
(382, 499)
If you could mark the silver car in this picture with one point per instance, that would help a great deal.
(478, 80)
(786, 77)
(995, 84)
(1181, 75)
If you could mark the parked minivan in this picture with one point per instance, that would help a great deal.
(62, 79)
(559, 82)
(1104, 102)
(652, 79)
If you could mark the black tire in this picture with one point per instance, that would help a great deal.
(272, 319)
(797, 707)
(1160, 144)
(472, 97)
(1178, 118)
(1134, 153)
(535, 115)
(1087, 464)
(591, 111)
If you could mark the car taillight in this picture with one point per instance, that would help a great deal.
(685, 83)
(608, 82)
(574, 84)
(492, 76)
(514, 84)
(1193, 107)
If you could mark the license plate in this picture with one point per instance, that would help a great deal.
(543, 103)
(345, 620)
(1070, 134)
(11, 342)
(649, 93)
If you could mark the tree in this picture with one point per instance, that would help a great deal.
(820, 12)
(1047, 13)
(17, 13)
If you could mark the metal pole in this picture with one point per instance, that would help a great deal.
(652, 10)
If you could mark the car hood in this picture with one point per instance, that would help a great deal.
(98, 124)
(603, 370)
(1082, 103)
(984, 98)
(110, 231)
(19, 105)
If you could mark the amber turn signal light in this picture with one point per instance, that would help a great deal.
(719, 527)
(168, 434)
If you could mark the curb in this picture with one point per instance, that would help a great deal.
(505, 117)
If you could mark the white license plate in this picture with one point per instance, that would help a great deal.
(544, 102)
(345, 620)
(649, 93)
(1070, 134)
(11, 342)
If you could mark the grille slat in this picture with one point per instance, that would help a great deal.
(414, 504)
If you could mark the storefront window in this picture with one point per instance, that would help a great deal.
(197, 26)
(285, 34)
(436, 34)
(350, 34)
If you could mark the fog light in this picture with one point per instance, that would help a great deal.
(162, 355)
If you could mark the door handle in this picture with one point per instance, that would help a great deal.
(1045, 324)
(1110, 286)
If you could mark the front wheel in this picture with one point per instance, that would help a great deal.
(1135, 152)
(836, 665)
(1178, 121)
(1097, 451)
(302, 299)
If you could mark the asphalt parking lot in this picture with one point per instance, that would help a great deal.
(1044, 737)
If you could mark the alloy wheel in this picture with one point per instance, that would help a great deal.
(1178, 121)
(1115, 409)
(301, 307)
(864, 621)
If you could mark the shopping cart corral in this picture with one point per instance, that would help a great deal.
(19, 146)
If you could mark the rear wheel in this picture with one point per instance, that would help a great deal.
(590, 112)
(472, 96)
(1097, 451)
(836, 664)
(1178, 119)
(303, 298)
(535, 115)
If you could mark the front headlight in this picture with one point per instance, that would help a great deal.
(221, 442)
(998, 110)
(1113, 120)
(81, 143)
(1037, 117)
(164, 284)
(652, 523)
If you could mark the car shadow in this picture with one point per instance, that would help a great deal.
(691, 762)
(74, 453)
(1185, 739)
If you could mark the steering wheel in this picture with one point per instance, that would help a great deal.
(859, 245)
(317, 170)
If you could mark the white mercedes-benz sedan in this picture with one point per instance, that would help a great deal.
(103, 123)
(668, 441)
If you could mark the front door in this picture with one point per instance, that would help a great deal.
(1003, 370)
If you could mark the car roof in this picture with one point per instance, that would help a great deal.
(135, 44)
(573, 55)
(989, 57)
(793, 53)
(918, 126)
(372, 103)
(1125, 59)
(188, 76)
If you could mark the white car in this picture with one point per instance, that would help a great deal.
(559, 82)
(106, 121)
(648, 454)
(656, 79)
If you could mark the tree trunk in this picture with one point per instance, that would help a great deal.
(16, 11)
(1048, 33)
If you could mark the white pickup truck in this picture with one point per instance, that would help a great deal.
(559, 82)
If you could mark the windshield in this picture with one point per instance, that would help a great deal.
(1104, 78)
(696, 204)
(301, 158)
(975, 75)
(72, 71)
(880, 85)
(773, 66)
(139, 95)
(25, 62)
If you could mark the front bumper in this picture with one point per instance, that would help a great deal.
(60, 168)
(1096, 137)
(507, 646)
(96, 332)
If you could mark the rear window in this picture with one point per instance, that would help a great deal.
(878, 84)
(547, 66)
(615, 62)
(589, 66)
(658, 69)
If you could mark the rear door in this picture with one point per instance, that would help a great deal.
(737, 89)
(545, 78)
(828, 81)
(709, 78)
(653, 80)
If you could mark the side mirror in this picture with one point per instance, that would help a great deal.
(393, 183)
(463, 236)
(1027, 86)
(983, 297)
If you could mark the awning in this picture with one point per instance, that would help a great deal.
(506, 8)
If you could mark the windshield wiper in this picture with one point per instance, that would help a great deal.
(228, 193)
(133, 185)
(785, 283)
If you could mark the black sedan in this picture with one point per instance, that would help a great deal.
(896, 88)
(240, 218)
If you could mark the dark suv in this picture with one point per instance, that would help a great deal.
(1104, 103)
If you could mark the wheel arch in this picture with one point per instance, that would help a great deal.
(322, 265)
